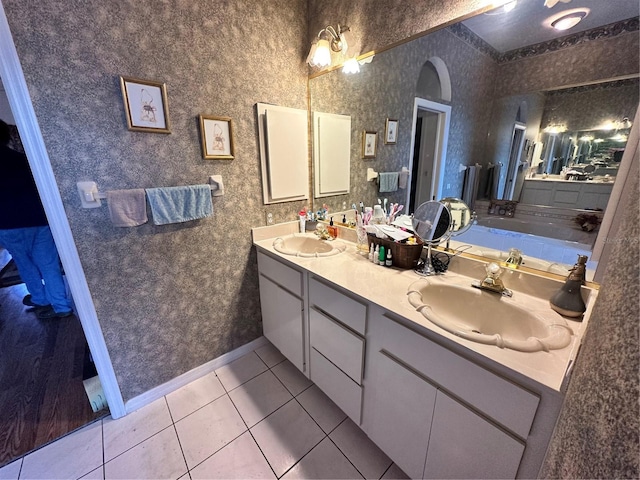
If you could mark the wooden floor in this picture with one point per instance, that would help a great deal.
(41, 371)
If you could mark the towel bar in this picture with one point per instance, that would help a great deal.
(90, 196)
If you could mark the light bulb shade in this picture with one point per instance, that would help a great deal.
(322, 54)
(351, 66)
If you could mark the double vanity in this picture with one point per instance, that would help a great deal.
(450, 381)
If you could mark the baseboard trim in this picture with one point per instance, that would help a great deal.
(180, 381)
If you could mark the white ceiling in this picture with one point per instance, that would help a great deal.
(525, 24)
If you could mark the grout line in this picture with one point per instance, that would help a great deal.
(310, 450)
(344, 454)
(173, 424)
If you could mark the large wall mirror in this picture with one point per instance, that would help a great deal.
(504, 112)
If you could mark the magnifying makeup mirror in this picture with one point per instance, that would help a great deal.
(462, 218)
(431, 222)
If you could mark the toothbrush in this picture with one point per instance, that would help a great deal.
(361, 207)
(384, 209)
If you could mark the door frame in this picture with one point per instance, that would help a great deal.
(514, 159)
(442, 139)
(17, 92)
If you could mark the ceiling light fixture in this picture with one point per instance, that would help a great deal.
(552, 3)
(569, 20)
(329, 39)
(509, 6)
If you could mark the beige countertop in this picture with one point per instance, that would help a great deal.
(387, 288)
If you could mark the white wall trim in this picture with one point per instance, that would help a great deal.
(31, 136)
(180, 381)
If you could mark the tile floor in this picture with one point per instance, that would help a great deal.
(257, 417)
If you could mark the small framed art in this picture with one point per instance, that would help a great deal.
(145, 104)
(391, 132)
(369, 144)
(217, 137)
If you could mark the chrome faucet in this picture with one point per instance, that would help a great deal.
(492, 281)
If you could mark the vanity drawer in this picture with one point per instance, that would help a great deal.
(340, 306)
(496, 397)
(336, 385)
(342, 347)
(281, 274)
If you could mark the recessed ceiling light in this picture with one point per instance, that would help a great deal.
(568, 19)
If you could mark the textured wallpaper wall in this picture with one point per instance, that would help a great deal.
(591, 106)
(168, 298)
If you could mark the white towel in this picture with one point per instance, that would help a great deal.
(403, 178)
(127, 208)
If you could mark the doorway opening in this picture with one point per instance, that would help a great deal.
(44, 362)
(429, 133)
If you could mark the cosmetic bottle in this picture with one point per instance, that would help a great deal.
(376, 254)
(381, 256)
(332, 229)
(568, 300)
(371, 252)
(388, 261)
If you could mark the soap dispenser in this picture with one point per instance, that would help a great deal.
(568, 300)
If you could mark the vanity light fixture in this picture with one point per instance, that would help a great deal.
(569, 20)
(329, 40)
(351, 66)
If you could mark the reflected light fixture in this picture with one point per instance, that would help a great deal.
(509, 6)
(329, 40)
(569, 20)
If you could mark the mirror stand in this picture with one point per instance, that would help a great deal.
(427, 269)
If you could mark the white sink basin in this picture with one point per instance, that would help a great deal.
(526, 324)
(302, 245)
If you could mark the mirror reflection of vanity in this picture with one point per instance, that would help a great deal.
(498, 113)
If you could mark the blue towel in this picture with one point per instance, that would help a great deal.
(388, 181)
(179, 204)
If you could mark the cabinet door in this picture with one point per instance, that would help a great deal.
(401, 411)
(465, 445)
(282, 321)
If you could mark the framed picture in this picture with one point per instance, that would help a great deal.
(145, 104)
(369, 144)
(217, 137)
(391, 132)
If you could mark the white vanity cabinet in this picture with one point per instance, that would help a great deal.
(282, 302)
(435, 407)
(337, 325)
(437, 414)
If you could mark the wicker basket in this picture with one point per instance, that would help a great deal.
(403, 255)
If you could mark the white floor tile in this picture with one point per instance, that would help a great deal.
(324, 461)
(195, 395)
(158, 457)
(11, 471)
(259, 397)
(126, 432)
(207, 430)
(394, 473)
(71, 456)
(291, 377)
(321, 408)
(286, 436)
(360, 450)
(97, 474)
(240, 371)
(240, 459)
(270, 355)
